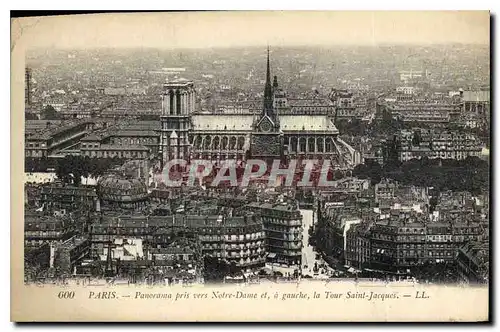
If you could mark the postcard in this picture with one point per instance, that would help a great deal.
(264, 166)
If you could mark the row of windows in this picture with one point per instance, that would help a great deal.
(281, 221)
(119, 154)
(36, 145)
(47, 234)
(33, 243)
(90, 145)
(183, 257)
(440, 253)
(284, 237)
(423, 238)
(36, 153)
(285, 245)
(236, 238)
(412, 230)
(283, 229)
(209, 143)
(100, 233)
(134, 141)
(218, 245)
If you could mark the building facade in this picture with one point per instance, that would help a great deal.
(444, 144)
(41, 229)
(403, 242)
(283, 231)
(56, 196)
(239, 239)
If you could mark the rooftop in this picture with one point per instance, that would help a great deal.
(194, 221)
(73, 242)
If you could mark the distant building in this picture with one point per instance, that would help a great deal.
(391, 192)
(124, 91)
(434, 143)
(429, 114)
(476, 101)
(412, 75)
(476, 109)
(76, 112)
(407, 90)
(27, 87)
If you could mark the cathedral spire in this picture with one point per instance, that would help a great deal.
(268, 72)
(268, 91)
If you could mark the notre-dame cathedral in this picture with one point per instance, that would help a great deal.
(286, 128)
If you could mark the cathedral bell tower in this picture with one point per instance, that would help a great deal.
(178, 103)
(266, 135)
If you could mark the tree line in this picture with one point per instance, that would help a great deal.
(470, 174)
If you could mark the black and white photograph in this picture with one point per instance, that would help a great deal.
(258, 148)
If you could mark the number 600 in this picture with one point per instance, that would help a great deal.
(66, 295)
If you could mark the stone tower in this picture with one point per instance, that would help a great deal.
(178, 103)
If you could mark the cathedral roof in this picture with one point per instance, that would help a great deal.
(306, 123)
(223, 122)
(244, 122)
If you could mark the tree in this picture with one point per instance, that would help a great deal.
(369, 170)
(215, 269)
(471, 174)
(63, 170)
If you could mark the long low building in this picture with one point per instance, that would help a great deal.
(129, 140)
(45, 141)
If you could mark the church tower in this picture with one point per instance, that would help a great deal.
(178, 103)
(266, 136)
(268, 108)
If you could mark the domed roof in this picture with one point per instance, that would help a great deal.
(114, 187)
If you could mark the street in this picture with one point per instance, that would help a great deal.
(308, 253)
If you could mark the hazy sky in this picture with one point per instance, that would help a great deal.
(223, 29)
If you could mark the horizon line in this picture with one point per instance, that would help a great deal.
(278, 46)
